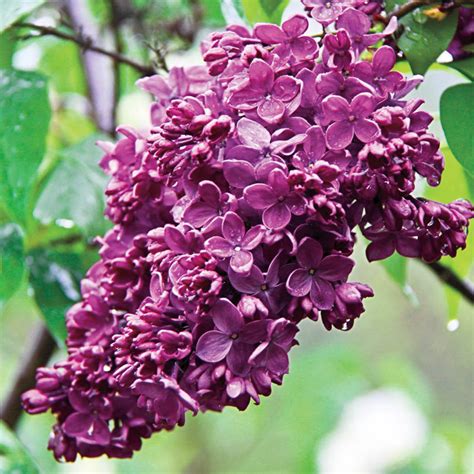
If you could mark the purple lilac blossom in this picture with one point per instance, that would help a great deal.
(234, 219)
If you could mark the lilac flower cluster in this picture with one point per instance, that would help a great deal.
(234, 219)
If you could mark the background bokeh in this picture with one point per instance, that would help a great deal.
(393, 395)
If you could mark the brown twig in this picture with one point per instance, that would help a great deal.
(38, 352)
(450, 278)
(87, 45)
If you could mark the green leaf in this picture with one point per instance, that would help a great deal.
(457, 117)
(61, 63)
(11, 261)
(75, 189)
(464, 66)
(212, 13)
(24, 121)
(263, 11)
(55, 278)
(14, 458)
(424, 39)
(7, 48)
(12, 10)
(397, 268)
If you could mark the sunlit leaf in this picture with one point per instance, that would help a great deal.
(457, 117)
(61, 63)
(424, 39)
(24, 121)
(75, 189)
(55, 278)
(264, 11)
(11, 261)
(12, 10)
(14, 458)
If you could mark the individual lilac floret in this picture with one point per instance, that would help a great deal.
(289, 38)
(326, 11)
(236, 243)
(232, 339)
(349, 120)
(317, 273)
(276, 200)
(269, 96)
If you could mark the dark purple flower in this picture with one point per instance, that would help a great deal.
(236, 243)
(276, 200)
(232, 339)
(288, 38)
(269, 96)
(273, 352)
(317, 274)
(266, 286)
(379, 72)
(209, 204)
(349, 119)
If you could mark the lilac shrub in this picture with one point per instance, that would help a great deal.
(234, 219)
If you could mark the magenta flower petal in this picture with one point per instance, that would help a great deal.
(241, 261)
(366, 130)
(260, 196)
(277, 359)
(335, 267)
(339, 135)
(304, 47)
(383, 61)
(285, 88)
(253, 237)
(380, 250)
(100, 433)
(362, 105)
(233, 228)
(213, 346)
(254, 332)
(198, 214)
(336, 108)
(277, 216)
(249, 284)
(238, 357)
(219, 247)
(226, 317)
(309, 253)
(239, 173)
(295, 26)
(269, 33)
(261, 75)
(322, 293)
(271, 110)
(299, 282)
(253, 134)
(78, 424)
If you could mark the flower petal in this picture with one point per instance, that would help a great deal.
(260, 196)
(261, 75)
(310, 253)
(213, 346)
(241, 261)
(271, 110)
(219, 247)
(295, 26)
(299, 282)
(322, 294)
(233, 228)
(238, 173)
(269, 33)
(277, 216)
(253, 237)
(336, 108)
(362, 105)
(253, 134)
(78, 424)
(335, 267)
(366, 130)
(249, 284)
(339, 135)
(226, 317)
